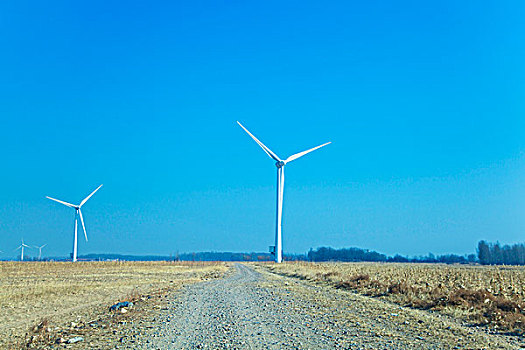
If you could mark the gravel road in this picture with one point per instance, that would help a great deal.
(251, 309)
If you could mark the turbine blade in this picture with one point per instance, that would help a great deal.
(18, 248)
(83, 226)
(62, 202)
(265, 149)
(86, 199)
(300, 154)
(43, 246)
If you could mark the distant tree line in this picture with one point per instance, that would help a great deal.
(358, 254)
(223, 256)
(230, 256)
(487, 254)
(431, 258)
(345, 254)
(495, 254)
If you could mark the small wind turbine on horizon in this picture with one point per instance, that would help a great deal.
(278, 251)
(78, 213)
(21, 246)
(40, 251)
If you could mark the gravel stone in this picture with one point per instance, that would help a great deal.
(249, 309)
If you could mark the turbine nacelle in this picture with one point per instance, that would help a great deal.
(279, 162)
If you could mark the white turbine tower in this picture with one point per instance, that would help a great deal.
(278, 250)
(40, 250)
(78, 213)
(22, 251)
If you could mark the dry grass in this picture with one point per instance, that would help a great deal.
(36, 294)
(482, 295)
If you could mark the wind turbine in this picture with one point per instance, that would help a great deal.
(22, 251)
(78, 213)
(40, 250)
(278, 252)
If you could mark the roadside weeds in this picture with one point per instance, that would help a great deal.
(476, 306)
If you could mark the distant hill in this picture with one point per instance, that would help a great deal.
(197, 256)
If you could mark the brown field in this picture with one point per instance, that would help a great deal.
(480, 295)
(55, 294)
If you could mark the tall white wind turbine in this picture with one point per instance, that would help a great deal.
(78, 213)
(278, 252)
(40, 250)
(22, 246)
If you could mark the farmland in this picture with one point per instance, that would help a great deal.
(260, 305)
(478, 295)
(55, 295)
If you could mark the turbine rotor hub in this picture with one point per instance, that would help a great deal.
(280, 164)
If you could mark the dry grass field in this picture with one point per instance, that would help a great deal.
(56, 295)
(480, 295)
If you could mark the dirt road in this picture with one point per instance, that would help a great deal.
(251, 309)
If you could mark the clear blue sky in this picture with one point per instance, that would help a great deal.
(424, 103)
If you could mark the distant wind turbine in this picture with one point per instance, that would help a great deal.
(278, 252)
(78, 213)
(40, 250)
(21, 246)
